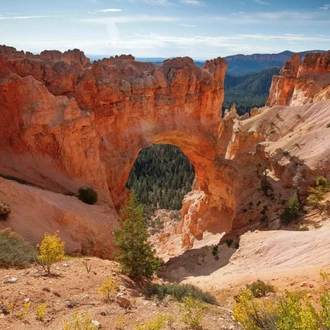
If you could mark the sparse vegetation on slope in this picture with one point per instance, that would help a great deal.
(316, 195)
(289, 311)
(15, 251)
(179, 292)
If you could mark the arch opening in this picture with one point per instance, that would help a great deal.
(160, 177)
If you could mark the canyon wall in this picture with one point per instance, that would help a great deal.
(301, 83)
(67, 123)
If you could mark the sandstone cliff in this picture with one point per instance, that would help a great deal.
(67, 123)
(301, 83)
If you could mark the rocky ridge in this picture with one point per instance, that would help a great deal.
(301, 83)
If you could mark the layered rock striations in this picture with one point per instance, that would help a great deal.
(301, 83)
(67, 123)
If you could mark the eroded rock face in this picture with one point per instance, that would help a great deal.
(301, 83)
(67, 123)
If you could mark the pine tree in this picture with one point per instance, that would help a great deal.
(137, 257)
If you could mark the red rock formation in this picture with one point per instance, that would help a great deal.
(301, 83)
(120, 107)
(66, 123)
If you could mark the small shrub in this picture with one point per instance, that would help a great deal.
(265, 186)
(260, 288)
(290, 311)
(291, 212)
(295, 311)
(316, 195)
(41, 311)
(26, 309)
(178, 291)
(229, 242)
(14, 251)
(193, 313)
(303, 228)
(215, 249)
(254, 314)
(323, 184)
(157, 323)
(87, 195)
(79, 322)
(51, 250)
(286, 153)
(108, 289)
(4, 211)
(328, 125)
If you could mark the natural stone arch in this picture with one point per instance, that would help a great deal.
(176, 103)
(90, 125)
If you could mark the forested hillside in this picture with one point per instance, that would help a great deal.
(160, 177)
(248, 91)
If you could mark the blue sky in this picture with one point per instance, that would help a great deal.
(201, 29)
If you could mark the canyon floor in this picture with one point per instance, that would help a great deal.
(288, 259)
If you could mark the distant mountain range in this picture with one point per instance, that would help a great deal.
(244, 64)
(239, 64)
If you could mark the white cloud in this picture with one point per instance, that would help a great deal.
(285, 18)
(193, 2)
(188, 25)
(29, 17)
(325, 7)
(109, 10)
(129, 19)
(238, 13)
(261, 2)
(159, 2)
(152, 44)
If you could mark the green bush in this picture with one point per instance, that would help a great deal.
(14, 251)
(255, 313)
(157, 323)
(290, 311)
(260, 288)
(316, 195)
(51, 250)
(193, 313)
(291, 212)
(87, 195)
(80, 322)
(178, 291)
(4, 211)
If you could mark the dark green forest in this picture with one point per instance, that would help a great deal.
(160, 177)
(248, 91)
